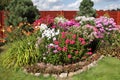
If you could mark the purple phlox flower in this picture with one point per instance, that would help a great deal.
(56, 46)
(55, 51)
(102, 30)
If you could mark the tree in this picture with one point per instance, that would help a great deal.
(3, 4)
(85, 9)
(20, 11)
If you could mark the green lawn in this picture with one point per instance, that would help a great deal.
(107, 69)
(19, 75)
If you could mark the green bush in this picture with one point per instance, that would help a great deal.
(85, 9)
(20, 53)
(20, 11)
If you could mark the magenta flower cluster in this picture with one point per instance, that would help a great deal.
(69, 23)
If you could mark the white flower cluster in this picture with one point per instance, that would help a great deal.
(47, 32)
(42, 27)
(60, 19)
(83, 18)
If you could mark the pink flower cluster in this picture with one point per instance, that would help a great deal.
(48, 20)
(69, 23)
(82, 40)
(104, 26)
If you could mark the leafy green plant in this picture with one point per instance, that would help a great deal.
(21, 52)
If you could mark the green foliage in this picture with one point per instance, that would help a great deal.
(3, 4)
(85, 9)
(21, 52)
(20, 11)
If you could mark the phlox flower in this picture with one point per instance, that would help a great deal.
(67, 41)
(59, 48)
(55, 51)
(76, 52)
(54, 38)
(53, 26)
(43, 27)
(81, 39)
(58, 31)
(49, 33)
(72, 42)
(56, 42)
(51, 45)
(83, 42)
(64, 49)
(69, 56)
(63, 35)
(89, 53)
(74, 36)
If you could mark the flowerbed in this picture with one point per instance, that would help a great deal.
(68, 41)
(58, 41)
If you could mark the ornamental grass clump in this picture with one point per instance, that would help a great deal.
(21, 53)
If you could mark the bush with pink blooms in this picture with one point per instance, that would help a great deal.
(68, 41)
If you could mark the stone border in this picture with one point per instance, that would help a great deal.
(63, 71)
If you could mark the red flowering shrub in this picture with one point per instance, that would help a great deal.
(68, 48)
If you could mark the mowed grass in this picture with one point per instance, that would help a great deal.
(107, 69)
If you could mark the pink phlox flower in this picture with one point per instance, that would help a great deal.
(69, 56)
(56, 42)
(59, 48)
(95, 29)
(89, 53)
(83, 42)
(72, 42)
(81, 39)
(76, 52)
(55, 51)
(64, 49)
(67, 41)
(89, 26)
(63, 34)
(74, 36)
(53, 26)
